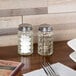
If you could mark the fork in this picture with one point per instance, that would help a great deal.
(48, 69)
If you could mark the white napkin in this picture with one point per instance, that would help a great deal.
(59, 68)
(72, 44)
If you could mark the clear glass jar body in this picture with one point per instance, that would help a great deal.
(45, 43)
(25, 42)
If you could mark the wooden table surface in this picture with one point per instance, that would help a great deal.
(32, 62)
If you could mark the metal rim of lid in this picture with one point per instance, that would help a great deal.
(45, 28)
(27, 27)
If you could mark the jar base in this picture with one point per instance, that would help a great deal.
(25, 54)
(45, 54)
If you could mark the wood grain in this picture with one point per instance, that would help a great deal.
(10, 4)
(57, 2)
(61, 6)
(33, 62)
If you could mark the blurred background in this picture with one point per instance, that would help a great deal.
(61, 14)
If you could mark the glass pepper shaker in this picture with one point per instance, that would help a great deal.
(25, 39)
(45, 40)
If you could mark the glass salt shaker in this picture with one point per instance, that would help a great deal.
(25, 39)
(45, 40)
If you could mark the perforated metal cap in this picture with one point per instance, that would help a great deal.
(25, 26)
(45, 28)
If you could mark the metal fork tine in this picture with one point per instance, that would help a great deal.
(53, 72)
(48, 69)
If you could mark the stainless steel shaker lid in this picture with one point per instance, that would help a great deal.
(45, 28)
(25, 26)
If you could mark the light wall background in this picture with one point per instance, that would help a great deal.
(60, 14)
